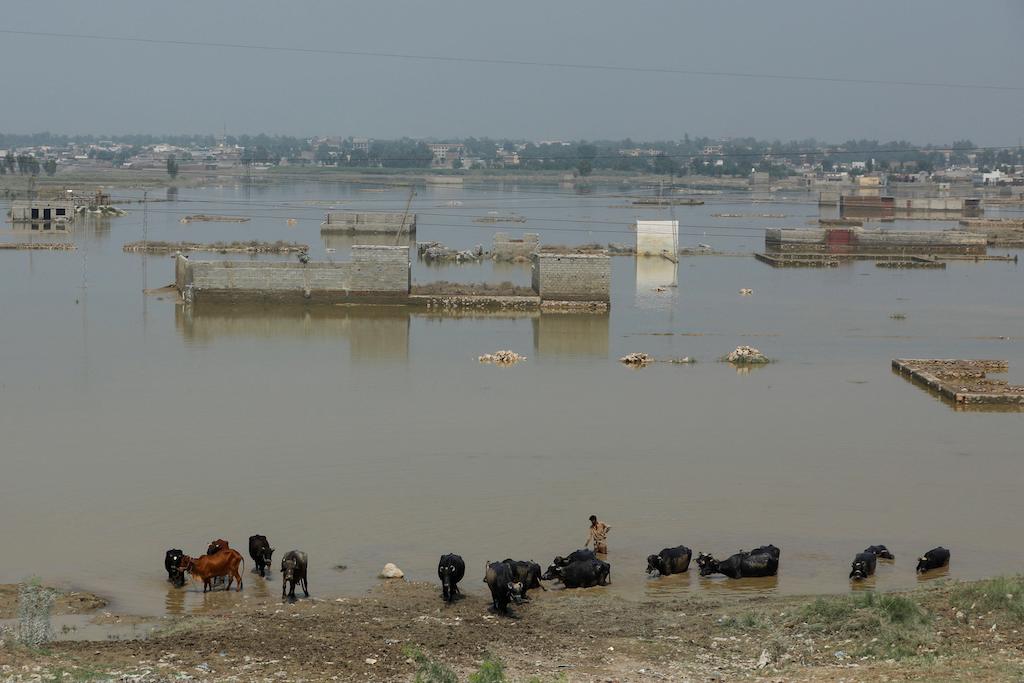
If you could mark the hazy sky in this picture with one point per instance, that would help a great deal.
(87, 86)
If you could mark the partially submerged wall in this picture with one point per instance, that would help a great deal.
(855, 239)
(375, 273)
(572, 277)
(505, 248)
(888, 206)
(654, 238)
(369, 222)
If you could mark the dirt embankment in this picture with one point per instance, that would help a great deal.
(952, 632)
(66, 602)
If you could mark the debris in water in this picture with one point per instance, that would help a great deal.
(390, 571)
(208, 218)
(898, 316)
(685, 360)
(746, 355)
(746, 291)
(505, 357)
(636, 359)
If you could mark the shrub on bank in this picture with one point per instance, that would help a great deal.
(893, 626)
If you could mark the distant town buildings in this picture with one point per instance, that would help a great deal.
(446, 153)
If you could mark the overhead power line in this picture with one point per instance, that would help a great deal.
(680, 71)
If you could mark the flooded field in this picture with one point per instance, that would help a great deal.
(363, 436)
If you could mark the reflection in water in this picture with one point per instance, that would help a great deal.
(656, 282)
(752, 585)
(62, 228)
(941, 573)
(669, 586)
(571, 334)
(174, 603)
(373, 332)
(343, 243)
(864, 585)
(747, 368)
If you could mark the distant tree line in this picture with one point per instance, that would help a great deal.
(697, 155)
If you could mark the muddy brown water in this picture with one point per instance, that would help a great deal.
(364, 436)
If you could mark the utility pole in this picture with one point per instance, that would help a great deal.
(145, 249)
(405, 216)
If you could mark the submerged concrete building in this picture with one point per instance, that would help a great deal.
(889, 207)
(382, 275)
(861, 240)
(41, 211)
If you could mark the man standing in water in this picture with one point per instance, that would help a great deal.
(598, 536)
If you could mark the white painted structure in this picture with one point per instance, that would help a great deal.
(657, 238)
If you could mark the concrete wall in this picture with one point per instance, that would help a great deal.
(816, 239)
(654, 238)
(505, 248)
(572, 277)
(374, 273)
(368, 222)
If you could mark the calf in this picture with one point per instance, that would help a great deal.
(293, 570)
(670, 561)
(216, 546)
(583, 573)
(574, 556)
(224, 563)
(526, 573)
(863, 565)
(261, 553)
(450, 569)
(933, 559)
(504, 587)
(741, 565)
(172, 563)
(880, 551)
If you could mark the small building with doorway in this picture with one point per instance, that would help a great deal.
(41, 211)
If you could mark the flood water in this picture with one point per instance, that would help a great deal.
(363, 436)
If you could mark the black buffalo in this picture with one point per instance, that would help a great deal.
(582, 573)
(526, 573)
(575, 556)
(172, 563)
(933, 559)
(294, 566)
(880, 551)
(763, 561)
(863, 565)
(670, 561)
(450, 569)
(767, 550)
(504, 587)
(261, 553)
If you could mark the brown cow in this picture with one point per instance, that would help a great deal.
(224, 563)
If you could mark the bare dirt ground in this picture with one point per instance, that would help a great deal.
(948, 633)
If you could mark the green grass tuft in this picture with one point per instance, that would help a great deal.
(1003, 594)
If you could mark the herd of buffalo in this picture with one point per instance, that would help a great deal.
(510, 580)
